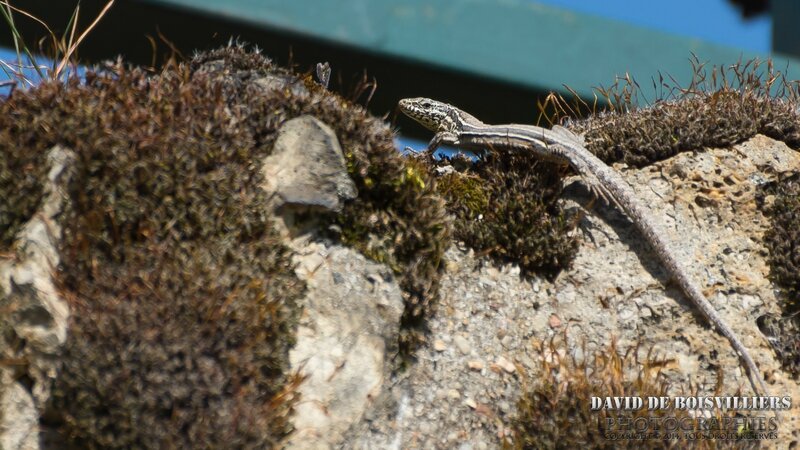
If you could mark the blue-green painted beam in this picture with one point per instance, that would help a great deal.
(514, 41)
(785, 29)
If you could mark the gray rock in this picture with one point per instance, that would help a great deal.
(37, 315)
(463, 344)
(272, 82)
(19, 426)
(307, 168)
(348, 328)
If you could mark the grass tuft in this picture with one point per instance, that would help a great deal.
(555, 411)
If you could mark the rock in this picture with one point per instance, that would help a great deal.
(345, 334)
(34, 327)
(19, 426)
(307, 169)
(274, 81)
(463, 344)
(505, 364)
(444, 170)
(475, 365)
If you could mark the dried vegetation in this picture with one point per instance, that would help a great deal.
(184, 300)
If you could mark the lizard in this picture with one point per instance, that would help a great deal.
(452, 126)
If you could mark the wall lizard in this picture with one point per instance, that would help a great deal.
(456, 127)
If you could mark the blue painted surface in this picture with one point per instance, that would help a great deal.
(10, 57)
(523, 42)
(403, 143)
(716, 21)
(543, 44)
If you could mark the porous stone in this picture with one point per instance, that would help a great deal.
(347, 332)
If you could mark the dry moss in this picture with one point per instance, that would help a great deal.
(782, 333)
(782, 240)
(554, 410)
(397, 218)
(705, 119)
(505, 207)
(184, 299)
(719, 108)
(183, 346)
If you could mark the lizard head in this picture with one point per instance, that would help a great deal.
(431, 114)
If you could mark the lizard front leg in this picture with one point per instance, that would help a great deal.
(442, 137)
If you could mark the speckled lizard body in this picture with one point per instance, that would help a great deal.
(456, 127)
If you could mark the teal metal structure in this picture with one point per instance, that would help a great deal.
(492, 57)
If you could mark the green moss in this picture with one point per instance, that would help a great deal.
(398, 219)
(505, 207)
(465, 193)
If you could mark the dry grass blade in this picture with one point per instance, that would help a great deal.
(19, 43)
(15, 71)
(63, 49)
(68, 54)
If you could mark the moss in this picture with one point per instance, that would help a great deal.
(466, 193)
(21, 181)
(720, 107)
(782, 240)
(505, 207)
(784, 336)
(554, 410)
(707, 119)
(182, 346)
(398, 219)
(184, 301)
(182, 294)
